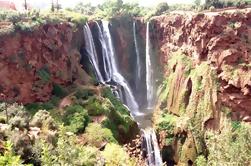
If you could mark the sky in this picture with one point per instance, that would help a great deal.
(72, 3)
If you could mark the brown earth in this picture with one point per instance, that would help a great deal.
(31, 62)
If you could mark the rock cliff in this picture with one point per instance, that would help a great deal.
(32, 62)
(222, 40)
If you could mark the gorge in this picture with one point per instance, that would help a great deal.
(174, 89)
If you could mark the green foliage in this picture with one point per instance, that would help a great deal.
(68, 152)
(107, 93)
(49, 105)
(201, 161)
(8, 158)
(118, 114)
(97, 136)
(161, 8)
(83, 94)
(231, 146)
(58, 91)
(28, 21)
(167, 123)
(16, 115)
(96, 107)
(20, 120)
(236, 125)
(110, 9)
(43, 119)
(197, 2)
(76, 118)
(115, 155)
(44, 75)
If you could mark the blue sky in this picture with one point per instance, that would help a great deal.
(71, 3)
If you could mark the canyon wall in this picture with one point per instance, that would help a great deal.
(222, 40)
(32, 63)
(207, 78)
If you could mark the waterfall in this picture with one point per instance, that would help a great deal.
(149, 72)
(112, 76)
(152, 148)
(91, 52)
(150, 142)
(137, 53)
(116, 76)
(106, 61)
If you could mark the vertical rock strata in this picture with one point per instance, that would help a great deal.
(207, 78)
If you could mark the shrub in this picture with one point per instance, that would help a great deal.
(167, 123)
(58, 91)
(201, 161)
(115, 155)
(96, 106)
(231, 146)
(76, 118)
(20, 120)
(42, 119)
(161, 8)
(8, 157)
(97, 136)
(68, 152)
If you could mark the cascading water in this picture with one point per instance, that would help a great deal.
(137, 54)
(106, 60)
(91, 52)
(116, 76)
(112, 76)
(149, 72)
(150, 142)
(152, 148)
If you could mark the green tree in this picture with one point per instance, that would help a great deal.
(197, 2)
(161, 8)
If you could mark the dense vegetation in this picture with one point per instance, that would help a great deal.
(44, 133)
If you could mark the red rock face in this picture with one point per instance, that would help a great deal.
(223, 40)
(30, 63)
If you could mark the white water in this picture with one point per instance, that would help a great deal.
(106, 61)
(149, 72)
(116, 76)
(91, 51)
(137, 52)
(152, 148)
(112, 74)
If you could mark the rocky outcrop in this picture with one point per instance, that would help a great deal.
(32, 62)
(220, 39)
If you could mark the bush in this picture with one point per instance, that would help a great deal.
(20, 120)
(161, 8)
(8, 158)
(58, 91)
(115, 155)
(42, 119)
(76, 118)
(97, 136)
(68, 152)
(96, 106)
(231, 146)
(201, 161)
